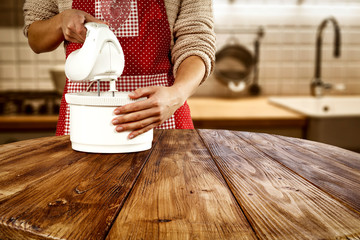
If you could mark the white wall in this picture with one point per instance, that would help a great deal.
(20, 67)
(288, 47)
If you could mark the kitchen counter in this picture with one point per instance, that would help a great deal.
(256, 110)
(22, 127)
(23, 122)
(246, 114)
(192, 184)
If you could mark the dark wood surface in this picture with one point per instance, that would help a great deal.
(28, 123)
(192, 184)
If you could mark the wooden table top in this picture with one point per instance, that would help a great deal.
(192, 184)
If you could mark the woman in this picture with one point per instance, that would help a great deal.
(169, 49)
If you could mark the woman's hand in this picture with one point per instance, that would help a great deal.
(72, 24)
(161, 102)
(141, 116)
(47, 35)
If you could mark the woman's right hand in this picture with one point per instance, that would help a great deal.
(72, 24)
(46, 35)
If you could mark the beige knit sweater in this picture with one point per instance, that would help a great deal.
(191, 25)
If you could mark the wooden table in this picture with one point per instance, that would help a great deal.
(193, 184)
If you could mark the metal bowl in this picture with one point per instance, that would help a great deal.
(234, 64)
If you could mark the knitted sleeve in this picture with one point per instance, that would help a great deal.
(194, 34)
(35, 10)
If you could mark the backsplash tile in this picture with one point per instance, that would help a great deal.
(26, 54)
(8, 71)
(7, 54)
(8, 35)
(20, 67)
(28, 72)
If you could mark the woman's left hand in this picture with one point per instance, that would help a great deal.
(141, 116)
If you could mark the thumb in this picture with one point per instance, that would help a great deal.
(90, 18)
(142, 92)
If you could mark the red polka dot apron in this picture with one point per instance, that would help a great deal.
(142, 29)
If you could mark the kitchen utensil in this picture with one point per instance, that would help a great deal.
(254, 88)
(234, 64)
(91, 129)
(100, 59)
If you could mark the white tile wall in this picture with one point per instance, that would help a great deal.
(8, 35)
(27, 71)
(7, 54)
(8, 71)
(20, 67)
(26, 54)
(287, 52)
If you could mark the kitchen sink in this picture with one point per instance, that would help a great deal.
(334, 119)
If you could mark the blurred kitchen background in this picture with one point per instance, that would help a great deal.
(280, 33)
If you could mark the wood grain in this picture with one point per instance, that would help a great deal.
(333, 169)
(244, 109)
(180, 194)
(50, 191)
(44, 122)
(219, 185)
(27, 162)
(278, 203)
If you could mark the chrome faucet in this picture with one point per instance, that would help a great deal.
(317, 86)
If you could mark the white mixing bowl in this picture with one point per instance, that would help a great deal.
(91, 129)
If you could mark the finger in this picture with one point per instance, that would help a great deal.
(142, 92)
(76, 36)
(138, 125)
(90, 18)
(135, 133)
(70, 34)
(71, 39)
(136, 106)
(136, 116)
(80, 32)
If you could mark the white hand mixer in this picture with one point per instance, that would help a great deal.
(101, 58)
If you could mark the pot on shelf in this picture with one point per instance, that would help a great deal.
(234, 65)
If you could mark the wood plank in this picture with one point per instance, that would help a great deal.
(329, 152)
(27, 162)
(64, 194)
(333, 169)
(278, 203)
(180, 194)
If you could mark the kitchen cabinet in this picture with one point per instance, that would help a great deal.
(192, 184)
